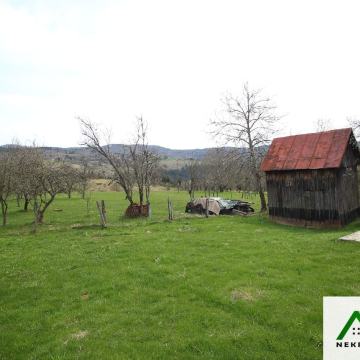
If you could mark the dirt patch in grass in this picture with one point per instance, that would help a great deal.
(80, 335)
(245, 295)
(77, 336)
(85, 296)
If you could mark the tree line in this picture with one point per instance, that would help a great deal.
(33, 180)
(221, 169)
(247, 122)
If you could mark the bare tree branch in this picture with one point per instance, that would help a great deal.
(250, 122)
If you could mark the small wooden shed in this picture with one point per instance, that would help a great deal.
(312, 179)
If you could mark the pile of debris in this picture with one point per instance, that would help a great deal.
(219, 206)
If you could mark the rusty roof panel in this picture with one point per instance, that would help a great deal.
(310, 141)
(303, 164)
(272, 152)
(274, 147)
(307, 151)
(317, 163)
(284, 149)
(337, 150)
(323, 145)
(293, 155)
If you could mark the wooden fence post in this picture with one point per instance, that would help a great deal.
(101, 209)
(170, 210)
(207, 207)
(168, 203)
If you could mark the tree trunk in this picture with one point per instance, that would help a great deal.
(83, 192)
(262, 199)
(40, 211)
(26, 203)
(256, 173)
(39, 217)
(4, 208)
(141, 196)
(261, 192)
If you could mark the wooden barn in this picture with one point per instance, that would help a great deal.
(312, 179)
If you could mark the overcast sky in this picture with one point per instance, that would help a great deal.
(172, 61)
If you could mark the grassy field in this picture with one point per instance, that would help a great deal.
(218, 288)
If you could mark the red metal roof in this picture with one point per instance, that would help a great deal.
(307, 151)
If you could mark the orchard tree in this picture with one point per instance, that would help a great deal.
(323, 124)
(28, 161)
(7, 157)
(195, 175)
(71, 177)
(218, 170)
(85, 174)
(143, 161)
(354, 122)
(249, 121)
(93, 138)
(48, 180)
(134, 165)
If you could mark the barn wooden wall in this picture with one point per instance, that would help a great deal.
(307, 194)
(310, 197)
(347, 191)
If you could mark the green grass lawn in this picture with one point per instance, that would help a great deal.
(195, 288)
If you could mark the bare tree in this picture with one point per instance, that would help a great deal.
(323, 124)
(6, 180)
(250, 122)
(144, 162)
(71, 178)
(120, 163)
(218, 170)
(48, 181)
(28, 160)
(85, 174)
(135, 165)
(354, 122)
(194, 172)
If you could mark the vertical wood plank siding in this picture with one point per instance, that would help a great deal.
(315, 197)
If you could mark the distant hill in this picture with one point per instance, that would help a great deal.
(164, 152)
(170, 153)
(172, 161)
